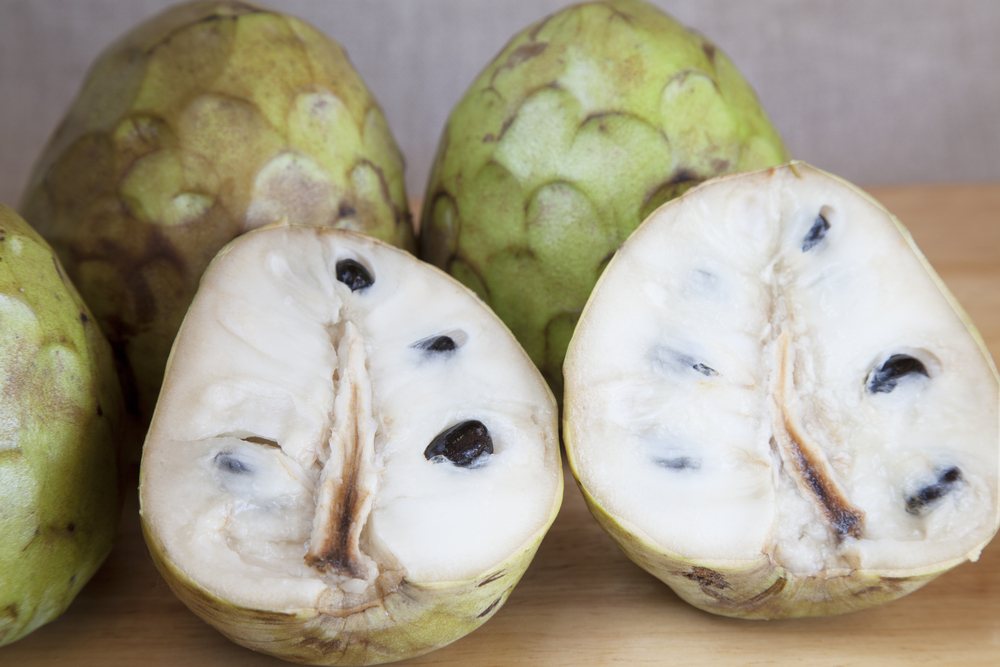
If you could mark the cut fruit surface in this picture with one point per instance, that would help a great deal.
(348, 444)
(775, 405)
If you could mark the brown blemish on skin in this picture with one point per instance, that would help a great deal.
(706, 577)
(769, 592)
(491, 578)
(490, 608)
(518, 56)
(12, 612)
(709, 50)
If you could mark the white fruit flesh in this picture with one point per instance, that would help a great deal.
(285, 466)
(720, 400)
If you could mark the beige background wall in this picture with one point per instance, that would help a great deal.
(881, 91)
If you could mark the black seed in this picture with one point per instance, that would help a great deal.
(918, 503)
(229, 463)
(707, 371)
(678, 463)
(436, 344)
(466, 445)
(354, 275)
(816, 233)
(884, 379)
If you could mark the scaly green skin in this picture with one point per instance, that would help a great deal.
(581, 126)
(59, 415)
(410, 620)
(208, 120)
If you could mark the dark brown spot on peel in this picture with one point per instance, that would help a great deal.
(706, 577)
(709, 50)
(524, 53)
(12, 611)
(491, 578)
(491, 607)
(771, 591)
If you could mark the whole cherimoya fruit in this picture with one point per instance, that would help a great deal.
(211, 119)
(580, 127)
(59, 416)
(352, 460)
(775, 406)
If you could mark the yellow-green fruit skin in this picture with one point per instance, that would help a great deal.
(412, 620)
(208, 120)
(757, 589)
(59, 415)
(581, 126)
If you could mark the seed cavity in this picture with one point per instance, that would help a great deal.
(884, 378)
(671, 361)
(442, 344)
(467, 445)
(678, 463)
(923, 500)
(228, 462)
(354, 275)
(818, 230)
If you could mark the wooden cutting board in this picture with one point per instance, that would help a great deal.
(582, 602)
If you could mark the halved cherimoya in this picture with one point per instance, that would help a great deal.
(775, 406)
(352, 461)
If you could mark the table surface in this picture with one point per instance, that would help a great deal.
(582, 602)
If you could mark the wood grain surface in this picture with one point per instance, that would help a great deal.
(582, 602)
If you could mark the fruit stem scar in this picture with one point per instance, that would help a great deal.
(344, 494)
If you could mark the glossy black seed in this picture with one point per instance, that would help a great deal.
(816, 233)
(884, 379)
(436, 344)
(466, 445)
(352, 274)
(926, 496)
(678, 463)
(226, 462)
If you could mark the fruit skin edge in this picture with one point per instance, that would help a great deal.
(76, 520)
(760, 589)
(411, 621)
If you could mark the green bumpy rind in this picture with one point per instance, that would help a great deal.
(581, 126)
(210, 119)
(59, 418)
